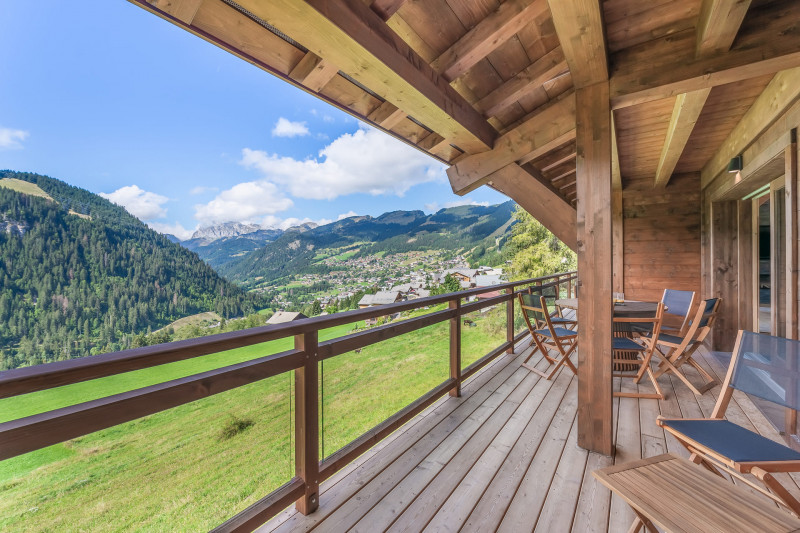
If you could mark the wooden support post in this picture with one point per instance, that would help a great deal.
(594, 268)
(618, 246)
(725, 275)
(791, 235)
(510, 320)
(746, 272)
(791, 231)
(306, 451)
(455, 348)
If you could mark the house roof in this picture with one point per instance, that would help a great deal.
(380, 298)
(486, 280)
(284, 316)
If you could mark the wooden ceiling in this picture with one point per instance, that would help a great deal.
(488, 87)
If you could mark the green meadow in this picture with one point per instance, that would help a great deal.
(192, 467)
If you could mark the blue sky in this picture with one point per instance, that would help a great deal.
(105, 96)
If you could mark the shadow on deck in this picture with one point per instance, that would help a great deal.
(504, 457)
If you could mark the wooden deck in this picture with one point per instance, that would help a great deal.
(504, 458)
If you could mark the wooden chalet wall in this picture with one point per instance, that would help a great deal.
(661, 236)
(768, 144)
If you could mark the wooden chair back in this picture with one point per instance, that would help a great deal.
(535, 307)
(679, 304)
(701, 323)
(763, 366)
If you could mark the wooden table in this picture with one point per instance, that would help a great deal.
(677, 495)
(628, 308)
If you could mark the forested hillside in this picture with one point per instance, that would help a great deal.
(79, 275)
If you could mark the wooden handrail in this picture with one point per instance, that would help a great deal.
(38, 431)
(41, 377)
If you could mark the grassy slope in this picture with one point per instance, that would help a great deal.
(173, 472)
(24, 187)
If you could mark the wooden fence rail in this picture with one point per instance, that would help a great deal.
(38, 431)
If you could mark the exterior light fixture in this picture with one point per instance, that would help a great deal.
(736, 164)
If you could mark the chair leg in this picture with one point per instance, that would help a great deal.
(669, 367)
(779, 490)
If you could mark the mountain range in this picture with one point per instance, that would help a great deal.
(269, 255)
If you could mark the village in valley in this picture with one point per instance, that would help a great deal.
(359, 282)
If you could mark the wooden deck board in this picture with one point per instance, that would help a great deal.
(504, 457)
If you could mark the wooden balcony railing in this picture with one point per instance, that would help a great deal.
(38, 431)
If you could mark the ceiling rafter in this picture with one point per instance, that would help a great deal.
(489, 34)
(781, 93)
(544, 69)
(313, 72)
(688, 107)
(668, 66)
(717, 27)
(536, 136)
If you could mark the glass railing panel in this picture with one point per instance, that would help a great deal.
(481, 332)
(189, 468)
(362, 388)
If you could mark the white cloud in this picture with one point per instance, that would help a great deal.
(286, 223)
(12, 139)
(142, 204)
(347, 215)
(367, 161)
(286, 128)
(176, 229)
(434, 206)
(200, 189)
(242, 203)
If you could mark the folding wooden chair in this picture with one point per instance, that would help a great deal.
(546, 335)
(677, 306)
(761, 366)
(677, 350)
(623, 347)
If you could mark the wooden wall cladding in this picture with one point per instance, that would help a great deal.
(661, 235)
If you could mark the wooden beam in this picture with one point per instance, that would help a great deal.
(183, 10)
(543, 130)
(779, 95)
(617, 241)
(313, 72)
(306, 416)
(718, 25)
(547, 148)
(790, 235)
(688, 107)
(386, 8)
(594, 217)
(579, 26)
(724, 273)
(350, 35)
(616, 173)
(560, 161)
(549, 208)
(668, 66)
(387, 115)
(532, 78)
(494, 30)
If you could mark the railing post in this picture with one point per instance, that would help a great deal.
(306, 452)
(510, 320)
(569, 287)
(455, 347)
